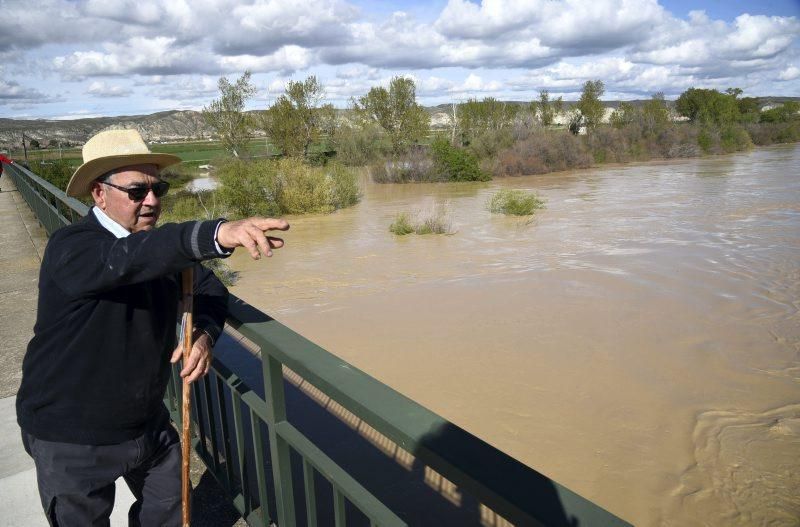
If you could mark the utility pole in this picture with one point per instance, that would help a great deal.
(25, 149)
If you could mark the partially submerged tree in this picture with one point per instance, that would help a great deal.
(226, 114)
(396, 111)
(589, 104)
(298, 118)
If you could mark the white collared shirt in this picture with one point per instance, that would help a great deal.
(111, 226)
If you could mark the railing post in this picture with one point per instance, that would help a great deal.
(279, 449)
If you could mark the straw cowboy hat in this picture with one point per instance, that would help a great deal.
(110, 150)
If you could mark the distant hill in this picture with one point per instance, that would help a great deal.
(161, 126)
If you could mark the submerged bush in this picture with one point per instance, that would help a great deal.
(285, 186)
(436, 222)
(401, 225)
(514, 202)
(415, 165)
(451, 163)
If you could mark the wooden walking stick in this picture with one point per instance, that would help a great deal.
(187, 327)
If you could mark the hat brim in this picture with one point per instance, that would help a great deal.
(81, 182)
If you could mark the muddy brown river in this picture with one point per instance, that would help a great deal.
(638, 340)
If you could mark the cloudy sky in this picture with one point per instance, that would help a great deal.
(75, 58)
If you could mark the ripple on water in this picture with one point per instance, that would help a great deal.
(744, 471)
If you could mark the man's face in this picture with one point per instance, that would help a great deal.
(134, 216)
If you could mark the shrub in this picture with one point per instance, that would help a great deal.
(225, 274)
(177, 176)
(285, 186)
(359, 145)
(544, 151)
(707, 139)
(250, 188)
(514, 202)
(733, 138)
(436, 222)
(186, 206)
(415, 165)
(401, 225)
(771, 133)
(451, 163)
(489, 143)
(57, 172)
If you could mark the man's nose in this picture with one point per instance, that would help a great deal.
(151, 199)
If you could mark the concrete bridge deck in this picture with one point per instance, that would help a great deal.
(22, 243)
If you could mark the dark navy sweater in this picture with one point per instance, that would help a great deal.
(97, 367)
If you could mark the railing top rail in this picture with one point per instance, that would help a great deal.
(56, 192)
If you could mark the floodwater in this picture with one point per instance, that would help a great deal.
(638, 340)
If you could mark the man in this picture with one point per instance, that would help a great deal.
(94, 375)
(3, 159)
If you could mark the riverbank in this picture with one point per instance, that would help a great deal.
(634, 340)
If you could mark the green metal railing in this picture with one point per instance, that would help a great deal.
(231, 420)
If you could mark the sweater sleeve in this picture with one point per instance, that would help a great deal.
(83, 259)
(211, 302)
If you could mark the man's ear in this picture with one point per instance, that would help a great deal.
(99, 195)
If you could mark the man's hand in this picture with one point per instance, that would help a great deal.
(250, 233)
(199, 359)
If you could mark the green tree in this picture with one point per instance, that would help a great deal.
(708, 106)
(396, 111)
(546, 108)
(749, 109)
(475, 117)
(782, 114)
(624, 115)
(226, 114)
(589, 104)
(298, 118)
(34, 143)
(655, 113)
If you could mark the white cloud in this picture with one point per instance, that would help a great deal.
(101, 89)
(264, 26)
(285, 59)
(136, 55)
(789, 74)
(12, 93)
(704, 42)
(173, 50)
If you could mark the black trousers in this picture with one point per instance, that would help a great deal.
(76, 482)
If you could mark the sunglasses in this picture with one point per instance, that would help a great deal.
(138, 193)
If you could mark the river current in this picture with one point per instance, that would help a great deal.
(638, 340)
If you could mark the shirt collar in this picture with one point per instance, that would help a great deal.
(111, 226)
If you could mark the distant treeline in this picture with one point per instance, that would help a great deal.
(388, 132)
